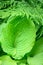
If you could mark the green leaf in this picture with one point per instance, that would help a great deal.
(36, 60)
(6, 60)
(38, 47)
(18, 36)
(22, 64)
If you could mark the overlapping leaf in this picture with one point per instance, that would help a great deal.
(38, 48)
(6, 60)
(36, 60)
(18, 36)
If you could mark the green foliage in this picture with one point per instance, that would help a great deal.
(21, 39)
(36, 60)
(6, 60)
(38, 47)
(21, 32)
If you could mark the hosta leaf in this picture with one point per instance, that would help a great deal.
(22, 64)
(38, 47)
(36, 60)
(18, 36)
(6, 60)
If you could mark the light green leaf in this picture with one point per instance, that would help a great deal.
(18, 36)
(38, 47)
(6, 60)
(22, 64)
(36, 60)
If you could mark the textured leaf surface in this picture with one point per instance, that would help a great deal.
(18, 36)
